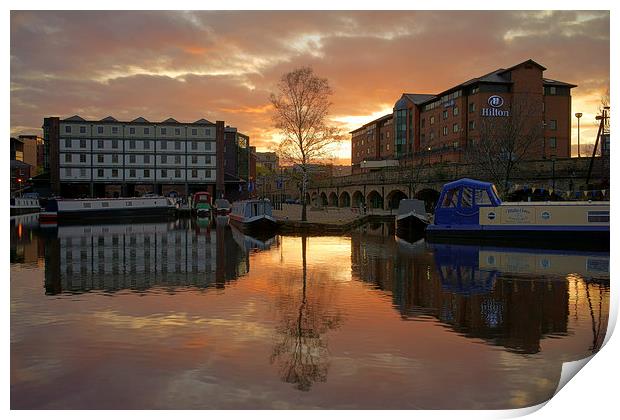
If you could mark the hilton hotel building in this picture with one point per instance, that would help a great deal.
(439, 127)
(110, 157)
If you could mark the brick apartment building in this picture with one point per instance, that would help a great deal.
(439, 127)
(109, 157)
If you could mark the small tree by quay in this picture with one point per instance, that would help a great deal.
(301, 109)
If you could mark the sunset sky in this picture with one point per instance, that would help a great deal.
(223, 65)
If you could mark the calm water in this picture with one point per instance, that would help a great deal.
(178, 315)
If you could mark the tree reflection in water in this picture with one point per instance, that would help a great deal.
(301, 351)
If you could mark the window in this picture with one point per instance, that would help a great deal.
(467, 197)
(67, 128)
(432, 120)
(194, 131)
(164, 159)
(99, 130)
(67, 143)
(422, 138)
(163, 145)
(177, 145)
(114, 144)
(194, 173)
(164, 173)
(482, 198)
(177, 159)
(147, 173)
(114, 173)
(445, 114)
(132, 144)
(177, 173)
(208, 132)
(177, 131)
(432, 135)
(552, 90)
(598, 216)
(162, 131)
(450, 198)
(100, 144)
(132, 130)
(132, 173)
(100, 158)
(82, 158)
(455, 111)
(445, 131)
(147, 144)
(114, 158)
(147, 158)
(472, 107)
(194, 159)
(455, 128)
(132, 158)
(82, 130)
(553, 124)
(67, 171)
(553, 143)
(455, 145)
(82, 172)
(472, 125)
(114, 130)
(147, 130)
(100, 173)
(82, 144)
(67, 157)
(194, 145)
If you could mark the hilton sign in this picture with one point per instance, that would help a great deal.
(495, 102)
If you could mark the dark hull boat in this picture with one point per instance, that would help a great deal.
(253, 217)
(411, 219)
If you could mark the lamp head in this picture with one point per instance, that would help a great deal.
(578, 114)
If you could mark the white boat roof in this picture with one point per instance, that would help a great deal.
(556, 203)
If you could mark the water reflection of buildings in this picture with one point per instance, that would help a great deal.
(139, 256)
(493, 295)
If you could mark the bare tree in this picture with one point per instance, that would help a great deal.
(505, 141)
(301, 107)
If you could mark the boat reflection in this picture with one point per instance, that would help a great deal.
(139, 256)
(510, 298)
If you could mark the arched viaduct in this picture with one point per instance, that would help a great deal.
(384, 189)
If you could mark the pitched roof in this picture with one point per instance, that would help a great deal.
(202, 121)
(139, 120)
(110, 119)
(75, 118)
(557, 83)
(418, 98)
(526, 62)
(170, 120)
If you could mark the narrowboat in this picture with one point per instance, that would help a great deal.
(24, 205)
(69, 210)
(411, 219)
(470, 211)
(201, 204)
(253, 216)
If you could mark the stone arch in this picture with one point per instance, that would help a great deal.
(332, 200)
(314, 200)
(324, 202)
(374, 200)
(394, 197)
(358, 199)
(344, 200)
(430, 197)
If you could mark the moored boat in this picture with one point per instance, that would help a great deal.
(24, 205)
(253, 216)
(411, 219)
(222, 206)
(471, 211)
(68, 210)
(201, 204)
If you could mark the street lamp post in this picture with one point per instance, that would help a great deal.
(553, 173)
(578, 115)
